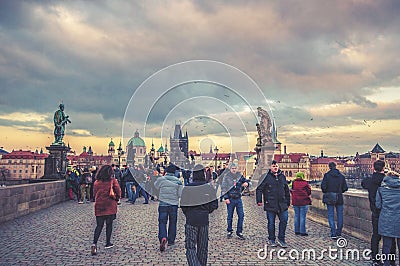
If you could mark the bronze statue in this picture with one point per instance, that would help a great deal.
(60, 120)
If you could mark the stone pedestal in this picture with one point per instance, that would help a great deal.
(264, 163)
(55, 165)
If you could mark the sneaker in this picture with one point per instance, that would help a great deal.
(163, 244)
(229, 235)
(145, 203)
(240, 236)
(109, 245)
(334, 237)
(93, 249)
(272, 243)
(80, 202)
(282, 243)
(171, 244)
(297, 233)
(304, 234)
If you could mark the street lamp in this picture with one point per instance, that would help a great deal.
(216, 156)
(120, 153)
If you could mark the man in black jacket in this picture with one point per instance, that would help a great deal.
(197, 202)
(275, 191)
(372, 183)
(334, 182)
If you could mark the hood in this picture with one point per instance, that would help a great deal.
(391, 181)
(279, 172)
(335, 173)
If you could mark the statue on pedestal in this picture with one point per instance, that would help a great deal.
(60, 120)
(264, 128)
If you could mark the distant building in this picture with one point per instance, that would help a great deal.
(365, 161)
(118, 156)
(179, 147)
(136, 150)
(88, 159)
(242, 158)
(291, 163)
(319, 166)
(24, 164)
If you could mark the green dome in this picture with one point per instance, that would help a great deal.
(136, 141)
(111, 143)
(161, 149)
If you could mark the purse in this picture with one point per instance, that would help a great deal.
(112, 192)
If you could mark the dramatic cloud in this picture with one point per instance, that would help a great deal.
(320, 64)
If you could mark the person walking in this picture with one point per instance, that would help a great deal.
(105, 206)
(275, 191)
(232, 186)
(141, 180)
(84, 182)
(301, 198)
(170, 189)
(197, 202)
(130, 182)
(388, 201)
(333, 186)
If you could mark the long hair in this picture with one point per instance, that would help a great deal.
(104, 173)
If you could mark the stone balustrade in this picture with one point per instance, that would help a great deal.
(356, 214)
(19, 200)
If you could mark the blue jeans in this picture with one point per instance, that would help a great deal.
(238, 204)
(300, 213)
(144, 193)
(165, 214)
(283, 219)
(129, 186)
(335, 230)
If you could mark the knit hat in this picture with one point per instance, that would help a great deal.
(300, 175)
(198, 173)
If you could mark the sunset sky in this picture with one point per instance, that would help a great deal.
(328, 70)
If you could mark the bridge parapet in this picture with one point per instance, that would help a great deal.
(19, 200)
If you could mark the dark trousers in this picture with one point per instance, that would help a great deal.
(196, 244)
(389, 247)
(167, 214)
(123, 188)
(375, 237)
(100, 223)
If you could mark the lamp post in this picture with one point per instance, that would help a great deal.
(216, 156)
(120, 153)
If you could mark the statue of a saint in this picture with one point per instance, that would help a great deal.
(60, 120)
(265, 126)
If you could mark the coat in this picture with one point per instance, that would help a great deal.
(104, 205)
(230, 189)
(301, 192)
(197, 202)
(170, 189)
(334, 181)
(388, 201)
(372, 183)
(275, 191)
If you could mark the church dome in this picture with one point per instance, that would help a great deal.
(136, 141)
(111, 143)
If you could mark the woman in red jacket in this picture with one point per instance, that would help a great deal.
(301, 198)
(105, 207)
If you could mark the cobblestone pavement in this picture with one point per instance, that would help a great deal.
(62, 235)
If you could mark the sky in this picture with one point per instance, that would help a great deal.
(326, 71)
